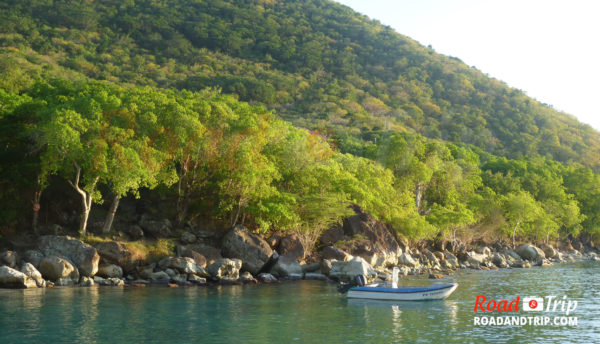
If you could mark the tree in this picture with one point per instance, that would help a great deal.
(521, 210)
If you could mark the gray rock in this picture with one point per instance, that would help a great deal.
(247, 277)
(529, 252)
(31, 272)
(407, 260)
(512, 254)
(484, 250)
(267, 278)
(159, 277)
(118, 253)
(225, 269)
(196, 279)
(184, 265)
(59, 270)
(326, 266)
(34, 257)
(110, 270)
(291, 246)
(111, 282)
(84, 256)
(253, 250)
(9, 258)
(476, 260)
(135, 232)
(347, 270)
(155, 228)
(98, 279)
(172, 273)
(431, 258)
(180, 279)
(188, 238)
(86, 281)
(11, 278)
(499, 260)
(331, 252)
(314, 267)
(211, 254)
(451, 260)
(286, 265)
(381, 248)
(549, 251)
(198, 258)
(315, 276)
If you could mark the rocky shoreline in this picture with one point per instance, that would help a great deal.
(361, 245)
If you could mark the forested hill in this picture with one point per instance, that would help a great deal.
(318, 63)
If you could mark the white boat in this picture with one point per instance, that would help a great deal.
(436, 291)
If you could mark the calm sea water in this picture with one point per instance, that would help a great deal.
(302, 312)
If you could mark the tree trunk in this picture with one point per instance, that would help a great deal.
(514, 232)
(418, 197)
(111, 215)
(36, 210)
(237, 212)
(86, 200)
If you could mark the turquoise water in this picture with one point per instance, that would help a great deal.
(297, 312)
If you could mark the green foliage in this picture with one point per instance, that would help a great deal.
(419, 140)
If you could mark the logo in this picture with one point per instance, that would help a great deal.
(548, 304)
(533, 304)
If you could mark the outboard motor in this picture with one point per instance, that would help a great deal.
(359, 280)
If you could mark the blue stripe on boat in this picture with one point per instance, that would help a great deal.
(402, 290)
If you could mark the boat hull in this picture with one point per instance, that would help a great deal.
(403, 294)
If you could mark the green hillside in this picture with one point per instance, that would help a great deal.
(318, 63)
(420, 140)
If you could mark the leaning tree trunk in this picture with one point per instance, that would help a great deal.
(515, 232)
(86, 200)
(36, 210)
(111, 215)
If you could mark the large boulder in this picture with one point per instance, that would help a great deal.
(211, 254)
(9, 258)
(156, 228)
(11, 278)
(225, 269)
(59, 270)
(84, 256)
(33, 273)
(381, 248)
(407, 260)
(114, 252)
(184, 265)
(347, 270)
(549, 251)
(253, 250)
(529, 252)
(110, 271)
(34, 257)
(291, 246)
(188, 238)
(451, 260)
(287, 265)
(198, 258)
(331, 252)
(332, 235)
(499, 260)
(476, 260)
(484, 250)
